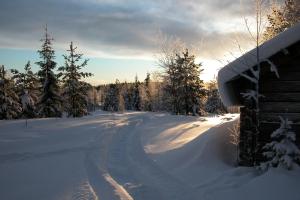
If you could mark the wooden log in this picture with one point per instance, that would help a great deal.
(283, 76)
(274, 117)
(279, 86)
(281, 97)
(280, 107)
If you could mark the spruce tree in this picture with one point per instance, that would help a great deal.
(10, 107)
(190, 86)
(49, 104)
(74, 90)
(213, 103)
(171, 85)
(26, 84)
(136, 95)
(282, 150)
(282, 18)
(147, 101)
(292, 12)
(111, 101)
(277, 23)
(127, 96)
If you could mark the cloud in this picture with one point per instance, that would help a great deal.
(119, 27)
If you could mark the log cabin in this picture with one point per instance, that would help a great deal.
(279, 85)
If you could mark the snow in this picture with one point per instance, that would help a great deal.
(133, 155)
(26, 100)
(248, 60)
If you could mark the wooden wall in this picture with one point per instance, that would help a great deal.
(281, 95)
(281, 98)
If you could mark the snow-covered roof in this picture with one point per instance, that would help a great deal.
(248, 60)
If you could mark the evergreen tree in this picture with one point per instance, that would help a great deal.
(292, 12)
(49, 104)
(282, 18)
(171, 85)
(189, 84)
(282, 150)
(111, 101)
(136, 95)
(213, 103)
(27, 89)
(10, 107)
(74, 90)
(127, 96)
(148, 97)
(277, 23)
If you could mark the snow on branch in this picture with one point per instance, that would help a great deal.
(282, 150)
(251, 94)
(273, 68)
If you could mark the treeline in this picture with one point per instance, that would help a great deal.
(178, 90)
(53, 91)
(45, 93)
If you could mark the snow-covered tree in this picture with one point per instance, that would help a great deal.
(74, 89)
(136, 95)
(282, 150)
(189, 86)
(292, 12)
(213, 103)
(10, 107)
(147, 100)
(49, 104)
(277, 23)
(282, 18)
(27, 86)
(126, 93)
(111, 101)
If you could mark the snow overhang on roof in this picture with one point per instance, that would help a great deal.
(248, 60)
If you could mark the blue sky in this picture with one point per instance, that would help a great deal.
(120, 37)
(105, 70)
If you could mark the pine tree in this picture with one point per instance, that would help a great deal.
(10, 107)
(136, 95)
(49, 104)
(74, 90)
(27, 89)
(282, 18)
(282, 150)
(126, 93)
(111, 101)
(213, 103)
(189, 84)
(148, 97)
(277, 23)
(292, 12)
(171, 85)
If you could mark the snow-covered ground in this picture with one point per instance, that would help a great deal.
(146, 156)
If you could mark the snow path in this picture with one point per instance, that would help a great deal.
(130, 156)
(134, 169)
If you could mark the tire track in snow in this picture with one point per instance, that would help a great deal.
(103, 185)
(141, 176)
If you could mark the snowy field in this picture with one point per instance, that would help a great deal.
(141, 156)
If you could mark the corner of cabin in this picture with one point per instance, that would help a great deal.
(281, 92)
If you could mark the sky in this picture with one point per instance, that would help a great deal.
(121, 38)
